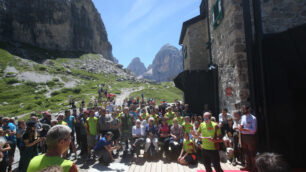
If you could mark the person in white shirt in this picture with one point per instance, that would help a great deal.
(138, 134)
(248, 128)
(223, 117)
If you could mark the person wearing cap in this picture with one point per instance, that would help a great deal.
(58, 140)
(30, 141)
(104, 148)
(10, 133)
(138, 134)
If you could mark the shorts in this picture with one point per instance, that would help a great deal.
(126, 135)
(191, 158)
(91, 140)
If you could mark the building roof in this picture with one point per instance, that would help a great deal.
(188, 23)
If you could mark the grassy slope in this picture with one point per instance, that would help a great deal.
(28, 97)
(164, 91)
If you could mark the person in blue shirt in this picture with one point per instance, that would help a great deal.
(152, 135)
(71, 123)
(104, 148)
(10, 133)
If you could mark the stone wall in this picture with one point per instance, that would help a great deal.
(229, 53)
(195, 40)
(280, 15)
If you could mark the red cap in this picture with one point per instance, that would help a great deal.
(86, 111)
(47, 113)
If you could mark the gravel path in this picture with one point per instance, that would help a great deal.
(125, 92)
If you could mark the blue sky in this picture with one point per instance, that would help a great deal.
(139, 28)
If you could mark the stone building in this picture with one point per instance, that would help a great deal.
(257, 50)
(195, 61)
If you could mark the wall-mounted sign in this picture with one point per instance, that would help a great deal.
(217, 13)
(229, 91)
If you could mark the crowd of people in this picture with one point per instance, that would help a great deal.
(101, 131)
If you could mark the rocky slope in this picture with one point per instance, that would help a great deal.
(65, 25)
(167, 64)
(137, 67)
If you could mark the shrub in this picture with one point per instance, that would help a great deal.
(30, 106)
(51, 83)
(31, 83)
(77, 90)
(55, 79)
(66, 90)
(39, 102)
(12, 81)
(54, 93)
(42, 68)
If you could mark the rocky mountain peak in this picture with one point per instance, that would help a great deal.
(64, 25)
(167, 64)
(137, 67)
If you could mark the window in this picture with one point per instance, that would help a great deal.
(217, 13)
(185, 52)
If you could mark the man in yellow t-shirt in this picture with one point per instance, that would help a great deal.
(58, 140)
(210, 134)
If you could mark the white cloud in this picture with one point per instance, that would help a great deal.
(138, 10)
(154, 16)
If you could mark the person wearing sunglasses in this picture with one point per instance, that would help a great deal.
(210, 134)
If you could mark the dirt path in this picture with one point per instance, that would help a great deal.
(125, 92)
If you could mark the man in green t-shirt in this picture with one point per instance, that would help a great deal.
(211, 135)
(92, 131)
(58, 140)
(187, 125)
(170, 116)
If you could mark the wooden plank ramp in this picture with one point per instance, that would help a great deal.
(160, 166)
